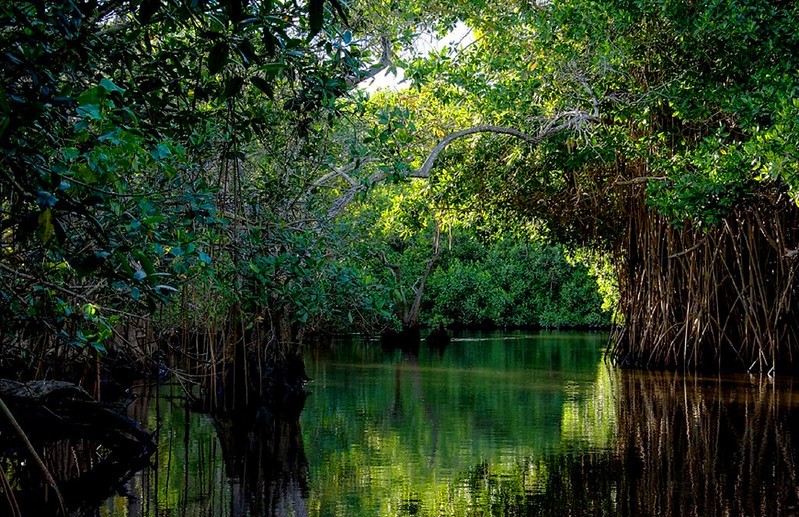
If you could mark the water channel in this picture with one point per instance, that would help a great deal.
(513, 423)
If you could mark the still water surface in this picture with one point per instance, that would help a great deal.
(494, 424)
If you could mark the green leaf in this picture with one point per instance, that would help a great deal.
(91, 96)
(269, 42)
(233, 86)
(124, 263)
(46, 230)
(146, 263)
(316, 16)
(217, 58)
(161, 152)
(45, 199)
(109, 86)
(248, 54)
(263, 85)
(90, 111)
(272, 69)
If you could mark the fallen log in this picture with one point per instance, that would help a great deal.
(57, 410)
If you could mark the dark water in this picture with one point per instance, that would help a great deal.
(495, 424)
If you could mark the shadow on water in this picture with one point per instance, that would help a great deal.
(86, 473)
(85, 450)
(708, 446)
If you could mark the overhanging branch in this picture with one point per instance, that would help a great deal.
(574, 120)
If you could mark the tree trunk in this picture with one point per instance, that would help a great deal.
(411, 317)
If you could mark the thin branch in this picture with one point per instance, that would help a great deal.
(395, 269)
(689, 250)
(68, 292)
(119, 194)
(343, 172)
(411, 318)
(373, 71)
(641, 179)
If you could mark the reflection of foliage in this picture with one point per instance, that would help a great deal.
(429, 429)
(626, 443)
(214, 468)
(591, 422)
(450, 435)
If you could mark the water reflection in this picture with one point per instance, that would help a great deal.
(708, 446)
(265, 461)
(533, 425)
(540, 425)
(187, 475)
(432, 429)
(86, 473)
(249, 465)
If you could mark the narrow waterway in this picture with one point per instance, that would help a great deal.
(494, 424)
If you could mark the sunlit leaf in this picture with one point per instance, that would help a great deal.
(46, 230)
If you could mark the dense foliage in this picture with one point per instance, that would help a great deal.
(675, 155)
(126, 132)
(511, 283)
(215, 168)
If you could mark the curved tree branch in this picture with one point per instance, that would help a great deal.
(575, 120)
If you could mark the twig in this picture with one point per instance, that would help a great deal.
(642, 179)
(66, 291)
